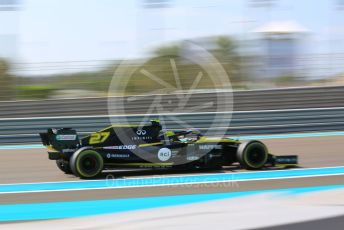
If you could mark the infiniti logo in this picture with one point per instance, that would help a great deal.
(141, 132)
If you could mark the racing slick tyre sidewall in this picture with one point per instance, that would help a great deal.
(64, 166)
(87, 163)
(252, 155)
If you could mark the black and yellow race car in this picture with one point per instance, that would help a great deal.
(147, 145)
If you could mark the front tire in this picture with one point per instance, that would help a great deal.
(87, 163)
(252, 155)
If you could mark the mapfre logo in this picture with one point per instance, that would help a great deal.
(141, 132)
(210, 147)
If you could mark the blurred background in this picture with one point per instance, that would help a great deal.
(284, 59)
(60, 48)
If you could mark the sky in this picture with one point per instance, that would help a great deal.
(91, 30)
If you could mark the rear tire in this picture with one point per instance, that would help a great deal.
(252, 155)
(87, 163)
(64, 166)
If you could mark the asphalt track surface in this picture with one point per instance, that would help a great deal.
(32, 165)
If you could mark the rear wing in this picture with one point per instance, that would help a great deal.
(58, 139)
(45, 139)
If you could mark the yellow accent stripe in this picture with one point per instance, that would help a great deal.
(50, 147)
(150, 144)
(169, 133)
(216, 140)
(114, 126)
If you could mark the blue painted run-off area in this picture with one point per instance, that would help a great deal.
(171, 180)
(53, 210)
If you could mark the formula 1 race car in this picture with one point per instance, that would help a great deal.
(147, 145)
